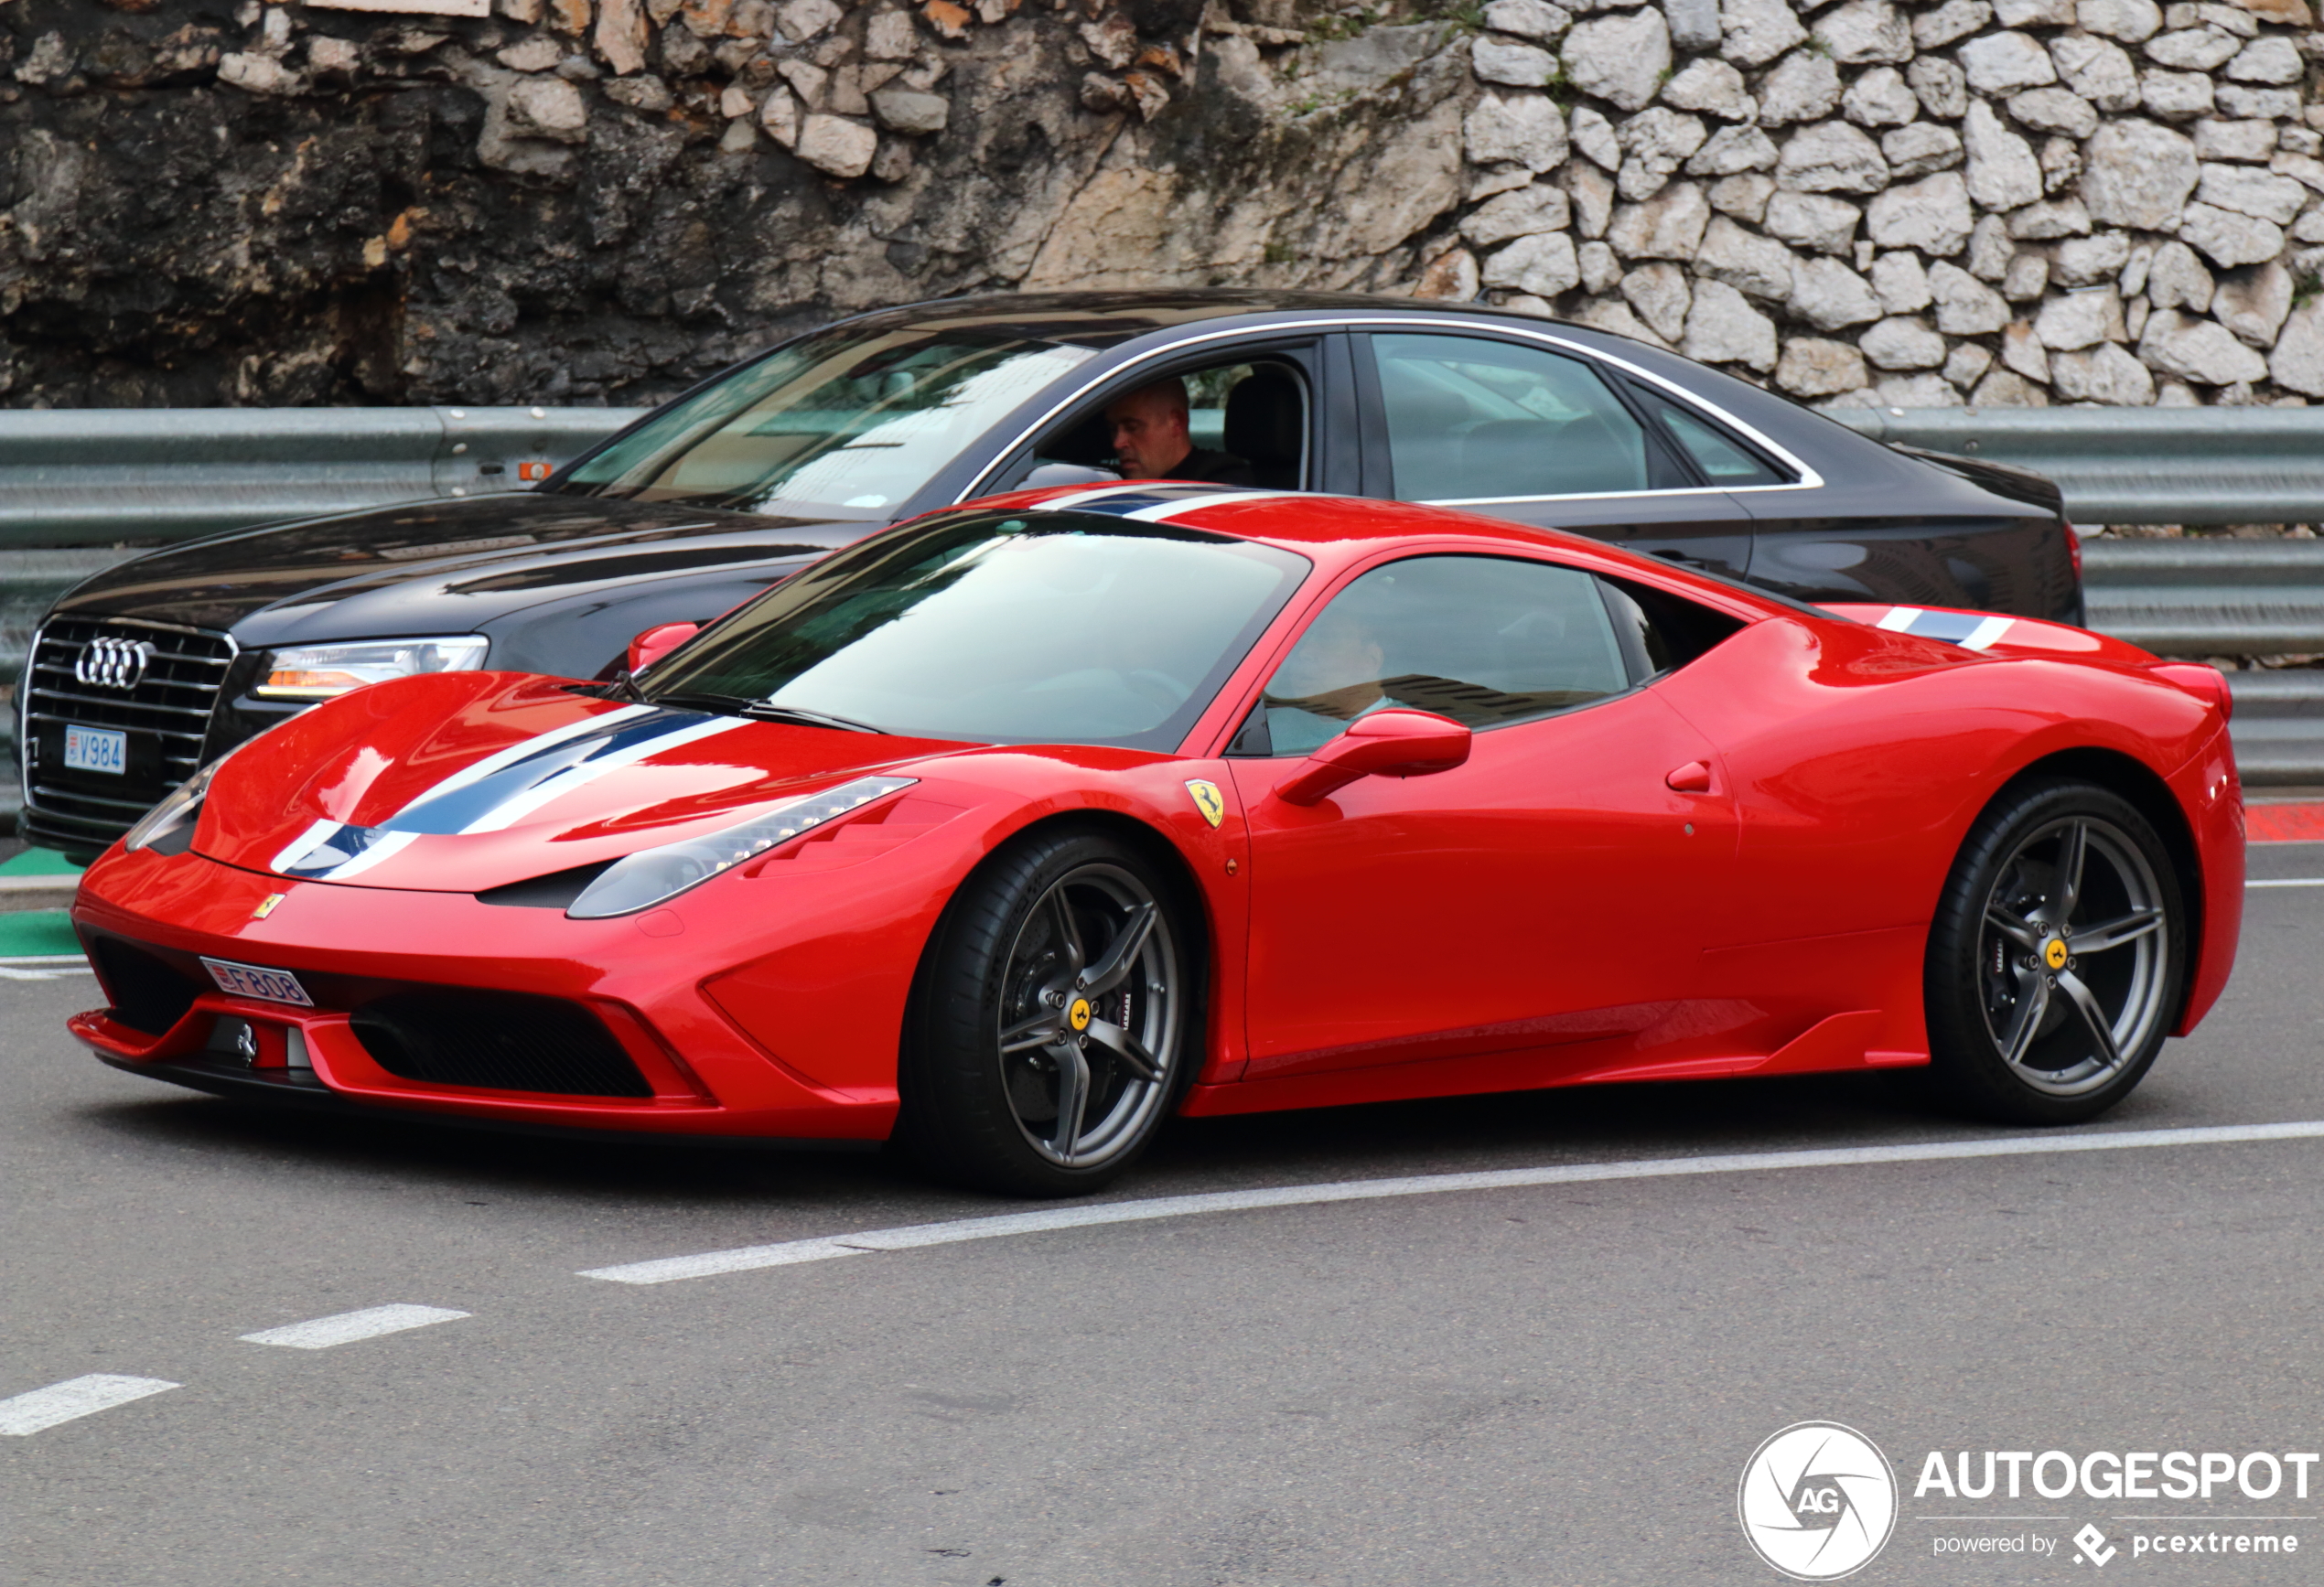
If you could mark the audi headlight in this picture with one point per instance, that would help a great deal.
(327, 672)
(177, 811)
(651, 875)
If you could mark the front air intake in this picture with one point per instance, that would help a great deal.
(503, 1041)
(147, 994)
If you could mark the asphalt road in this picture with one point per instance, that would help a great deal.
(1546, 1385)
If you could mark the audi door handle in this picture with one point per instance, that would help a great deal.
(1694, 777)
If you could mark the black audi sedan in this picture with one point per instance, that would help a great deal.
(151, 668)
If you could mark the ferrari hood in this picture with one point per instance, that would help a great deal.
(466, 781)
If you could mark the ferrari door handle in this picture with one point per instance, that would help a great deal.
(1694, 777)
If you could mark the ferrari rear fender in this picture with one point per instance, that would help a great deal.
(1992, 633)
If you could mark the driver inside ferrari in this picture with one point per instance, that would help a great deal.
(1331, 677)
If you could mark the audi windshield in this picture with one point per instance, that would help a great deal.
(845, 424)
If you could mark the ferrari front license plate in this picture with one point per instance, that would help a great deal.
(251, 981)
(96, 749)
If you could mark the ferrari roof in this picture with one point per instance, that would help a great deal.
(1309, 522)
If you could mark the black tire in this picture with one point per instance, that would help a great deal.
(1011, 1010)
(2030, 1023)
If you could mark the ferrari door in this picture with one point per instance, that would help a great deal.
(1548, 891)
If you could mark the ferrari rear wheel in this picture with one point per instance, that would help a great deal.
(2057, 956)
(1055, 1024)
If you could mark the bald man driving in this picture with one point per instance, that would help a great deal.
(1152, 441)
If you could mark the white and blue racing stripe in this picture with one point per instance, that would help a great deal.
(1154, 503)
(1967, 629)
(502, 788)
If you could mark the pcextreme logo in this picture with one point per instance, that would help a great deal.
(1817, 1501)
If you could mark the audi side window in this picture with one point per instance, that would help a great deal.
(1484, 641)
(1255, 413)
(1473, 419)
(1724, 460)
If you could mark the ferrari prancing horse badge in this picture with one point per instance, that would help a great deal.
(1207, 801)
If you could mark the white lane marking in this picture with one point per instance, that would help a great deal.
(39, 884)
(2290, 882)
(8, 974)
(26, 1415)
(32, 959)
(669, 1269)
(1987, 633)
(322, 1333)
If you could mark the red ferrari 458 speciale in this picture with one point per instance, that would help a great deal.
(1016, 829)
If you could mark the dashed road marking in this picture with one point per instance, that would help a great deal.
(41, 966)
(668, 1270)
(26, 1415)
(345, 1327)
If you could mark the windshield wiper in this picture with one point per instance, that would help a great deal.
(761, 711)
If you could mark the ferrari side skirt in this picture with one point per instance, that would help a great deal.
(1835, 1045)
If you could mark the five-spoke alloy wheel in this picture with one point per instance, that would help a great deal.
(2055, 962)
(1056, 1021)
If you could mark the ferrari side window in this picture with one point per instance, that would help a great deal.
(1484, 641)
(1660, 632)
(1471, 419)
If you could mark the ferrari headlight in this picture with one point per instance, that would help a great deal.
(326, 672)
(179, 809)
(651, 875)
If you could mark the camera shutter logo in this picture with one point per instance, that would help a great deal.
(1817, 1501)
(109, 663)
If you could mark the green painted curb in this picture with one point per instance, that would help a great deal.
(37, 931)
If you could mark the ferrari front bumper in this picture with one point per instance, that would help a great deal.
(636, 995)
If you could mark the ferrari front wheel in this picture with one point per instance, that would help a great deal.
(2056, 959)
(1054, 1024)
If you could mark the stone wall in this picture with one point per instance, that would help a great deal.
(2013, 202)
(2000, 201)
(565, 200)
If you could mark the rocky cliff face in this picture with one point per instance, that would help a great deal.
(2000, 201)
(563, 202)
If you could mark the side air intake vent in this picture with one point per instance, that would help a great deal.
(147, 995)
(506, 1041)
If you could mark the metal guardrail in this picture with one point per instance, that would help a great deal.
(2208, 598)
(2199, 465)
(105, 475)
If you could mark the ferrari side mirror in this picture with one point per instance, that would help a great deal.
(657, 643)
(1392, 742)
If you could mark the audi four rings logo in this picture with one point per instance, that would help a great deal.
(1817, 1501)
(110, 663)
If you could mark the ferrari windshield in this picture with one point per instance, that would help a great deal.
(1044, 628)
(845, 424)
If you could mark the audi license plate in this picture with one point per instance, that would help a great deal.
(251, 981)
(103, 749)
